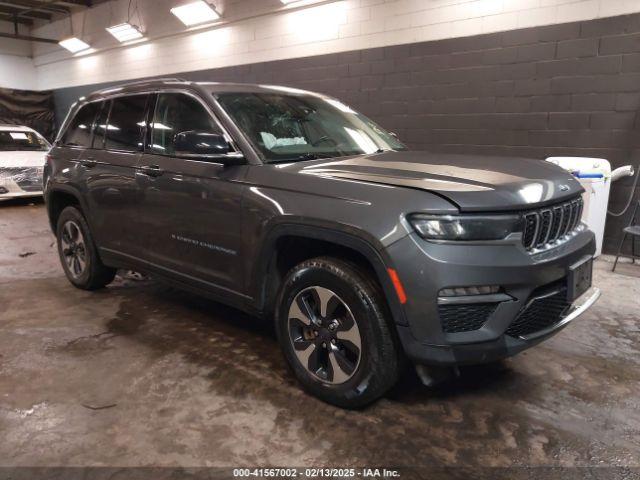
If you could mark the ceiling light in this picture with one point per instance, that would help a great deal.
(125, 32)
(195, 13)
(73, 44)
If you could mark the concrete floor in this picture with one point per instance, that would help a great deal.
(140, 374)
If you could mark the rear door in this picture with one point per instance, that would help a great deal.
(73, 148)
(78, 136)
(190, 211)
(113, 193)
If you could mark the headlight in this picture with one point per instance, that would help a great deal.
(465, 227)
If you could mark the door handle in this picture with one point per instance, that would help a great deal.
(88, 162)
(151, 170)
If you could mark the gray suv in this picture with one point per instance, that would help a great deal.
(290, 205)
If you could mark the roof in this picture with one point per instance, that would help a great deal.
(215, 87)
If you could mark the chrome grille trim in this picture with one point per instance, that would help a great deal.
(551, 225)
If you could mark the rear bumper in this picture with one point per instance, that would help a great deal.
(425, 268)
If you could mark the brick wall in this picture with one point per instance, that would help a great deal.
(568, 89)
(266, 30)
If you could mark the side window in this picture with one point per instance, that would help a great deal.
(78, 133)
(176, 113)
(123, 130)
(101, 123)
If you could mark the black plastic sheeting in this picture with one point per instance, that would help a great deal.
(29, 108)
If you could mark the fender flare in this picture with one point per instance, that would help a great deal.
(353, 239)
(68, 190)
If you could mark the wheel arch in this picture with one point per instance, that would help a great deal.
(302, 242)
(60, 197)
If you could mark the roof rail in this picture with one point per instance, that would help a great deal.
(139, 82)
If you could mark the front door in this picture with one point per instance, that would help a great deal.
(191, 208)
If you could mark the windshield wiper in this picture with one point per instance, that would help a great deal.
(302, 158)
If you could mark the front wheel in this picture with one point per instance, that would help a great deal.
(333, 327)
(78, 254)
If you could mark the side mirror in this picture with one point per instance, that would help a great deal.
(206, 146)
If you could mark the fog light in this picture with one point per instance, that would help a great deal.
(469, 291)
(3, 190)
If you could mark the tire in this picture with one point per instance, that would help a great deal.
(74, 240)
(348, 376)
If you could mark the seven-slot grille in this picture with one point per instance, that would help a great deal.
(547, 225)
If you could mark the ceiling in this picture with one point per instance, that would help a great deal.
(28, 12)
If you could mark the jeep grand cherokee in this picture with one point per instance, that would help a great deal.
(290, 205)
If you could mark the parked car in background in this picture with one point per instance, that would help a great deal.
(22, 158)
(291, 205)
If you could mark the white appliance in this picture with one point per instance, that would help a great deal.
(594, 174)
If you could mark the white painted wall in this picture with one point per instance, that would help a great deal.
(262, 30)
(16, 66)
(17, 72)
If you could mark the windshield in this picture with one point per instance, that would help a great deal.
(16, 140)
(301, 127)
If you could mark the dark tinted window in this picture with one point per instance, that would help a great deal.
(79, 131)
(177, 113)
(124, 129)
(101, 121)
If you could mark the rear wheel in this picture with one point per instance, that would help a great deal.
(78, 254)
(333, 327)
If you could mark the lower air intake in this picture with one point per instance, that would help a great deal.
(542, 312)
(465, 317)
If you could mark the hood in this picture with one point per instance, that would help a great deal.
(472, 182)
(22, 158)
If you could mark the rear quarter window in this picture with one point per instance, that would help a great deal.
(78, 134)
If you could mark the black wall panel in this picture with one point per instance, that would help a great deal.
(570, 89)
(32, 109)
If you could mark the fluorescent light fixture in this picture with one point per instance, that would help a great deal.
(125, 32)
(73, 44)
(195, 13)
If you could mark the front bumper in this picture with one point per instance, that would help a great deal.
(20, 182)
(425, 268)
(485, 352)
